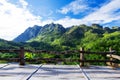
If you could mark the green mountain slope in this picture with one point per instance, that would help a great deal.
(103, 43)
(49, 33)
(28, 34)
(94, 37)
(9, 44)
(57, 38)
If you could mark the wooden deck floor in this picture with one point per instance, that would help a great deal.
(57, 72)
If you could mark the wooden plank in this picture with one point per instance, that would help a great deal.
(3, 65)
(58, 72)
(114, 65)
(113, 56)
(84, 73)
(33, 72)
(102, 73)
(16, 72)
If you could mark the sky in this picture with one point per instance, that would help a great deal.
(17, 15)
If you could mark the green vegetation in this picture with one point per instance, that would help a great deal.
(56, 38)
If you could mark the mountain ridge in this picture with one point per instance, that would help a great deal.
(29, 33)
(32, 33)
(56, 37)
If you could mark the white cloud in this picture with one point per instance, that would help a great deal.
(105, 14)
(14, 20)
(24, 3)
(76, 7)
(67, 21)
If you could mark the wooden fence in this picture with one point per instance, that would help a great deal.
(82, 60)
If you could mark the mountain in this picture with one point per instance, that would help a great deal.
(56, 37)
(49, 33)
(52, 29)
(28, 34)
(41, 33)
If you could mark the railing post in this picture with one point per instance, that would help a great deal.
(82, 57)
(111, 59)
(21, 56)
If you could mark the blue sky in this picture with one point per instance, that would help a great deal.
(18, 15)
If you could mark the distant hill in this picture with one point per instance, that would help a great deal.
(9, 44)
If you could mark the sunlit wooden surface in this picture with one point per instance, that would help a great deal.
(56, 72)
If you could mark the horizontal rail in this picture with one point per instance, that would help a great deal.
(98, 61)
(65, 59)
(9, 50)
(51, 59)
(52, 52)
(10, 59)
(68, 52)
(90, 52)
(55, 52)
(57, 60)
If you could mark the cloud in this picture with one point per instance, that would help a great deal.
(14, 20)
(107, 13)
(75, 7)
(68, 22)
(23, 3)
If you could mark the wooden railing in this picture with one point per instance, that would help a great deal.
(21, 59)
(109, 54)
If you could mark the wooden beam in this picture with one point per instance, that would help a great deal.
(114, 65)
(9, 50)
(113, 56)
